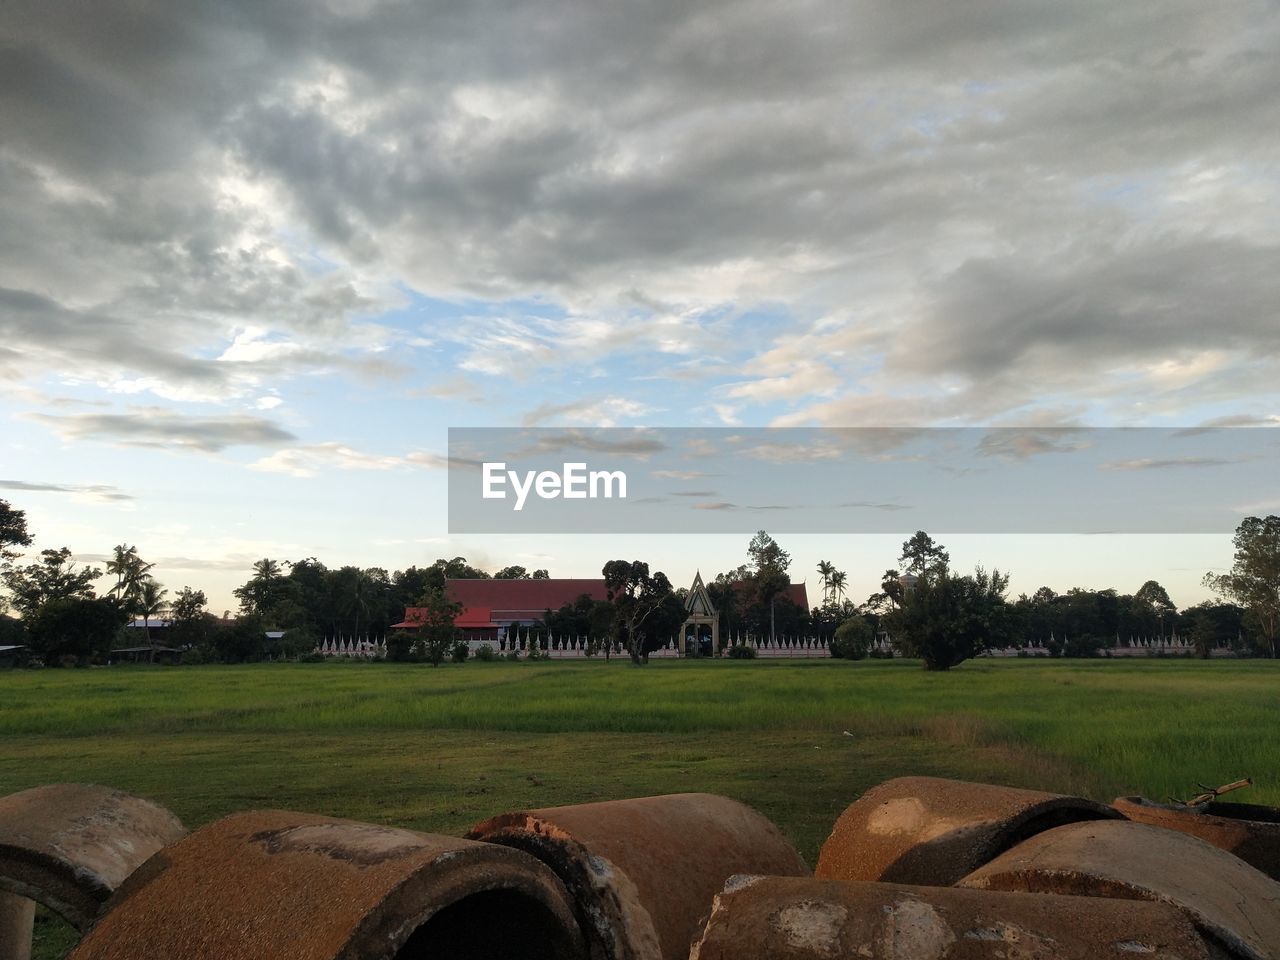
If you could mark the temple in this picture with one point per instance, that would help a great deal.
(493, 610)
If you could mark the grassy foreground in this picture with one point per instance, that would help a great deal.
(439, 749)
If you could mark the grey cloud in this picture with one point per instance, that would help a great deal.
(156, 427)
(1020, 444)
(1017, 172)
(636, 443)
(95, 491)
(871, 505)
(1153, 463)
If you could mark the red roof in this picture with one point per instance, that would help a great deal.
(519, 599)
(489, 603)
(474, 617)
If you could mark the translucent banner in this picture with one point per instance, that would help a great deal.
(860, 480)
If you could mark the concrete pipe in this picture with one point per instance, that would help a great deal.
(68, 846)
(803, 919)
(1249, 831)
(295, 886)
(1230, 902)
(643, 872)
(926, 830)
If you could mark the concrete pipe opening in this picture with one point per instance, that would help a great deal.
(496, 923)
(278, 884)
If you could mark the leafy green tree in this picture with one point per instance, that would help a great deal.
(540, 574)
(512, 573)
(437, 633)
(55, 577)
(923, 557)
(1254, 580)
(73, 626)
(853, 639)
(269, 593)
(13, 531)
(769, 564)
(944, 619)
(635, 595)
(1154, 598)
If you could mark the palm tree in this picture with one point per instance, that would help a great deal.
(838, 580)
(129, 570)
(825, 569)
(150, 602)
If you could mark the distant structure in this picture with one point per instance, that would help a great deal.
(493, 608)
(700, 612)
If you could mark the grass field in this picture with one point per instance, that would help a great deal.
(439, 749)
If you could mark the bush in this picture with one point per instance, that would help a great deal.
(460, 652)
(312, 657)
(511, 655)
(486, 653)
(740, 651)
(853, 639)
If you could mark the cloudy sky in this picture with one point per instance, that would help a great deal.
(257, 257)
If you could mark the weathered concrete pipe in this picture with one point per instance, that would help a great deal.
(273, 885)
(1230, 902)
(931, 831)
(1250, 831)
(643, 872)
(803, 919)
(68, 846)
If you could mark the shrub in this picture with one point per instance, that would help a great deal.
(312, 657)
(486, 653)
(511, 655)
(740, 651)
(853, 639)
(459, 652)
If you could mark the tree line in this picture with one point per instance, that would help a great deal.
(927, 609)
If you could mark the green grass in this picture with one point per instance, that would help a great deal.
(439, 749)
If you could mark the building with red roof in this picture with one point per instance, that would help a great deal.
(489, 607)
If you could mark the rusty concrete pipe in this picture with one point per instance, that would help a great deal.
(643, 872)
(1230, 902)
(809, 919)
(17, 926)
(1250, 831)
(931, 831)
(68, 846)
(273, 885)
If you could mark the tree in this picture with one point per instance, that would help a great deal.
(770, 564)
(944, 619)
(191, 626)
(635, 595)
(149, 603)
(265, 590)
(437, 633)
(55, 577)
(853, 639)
(13, 531)
(512, 573)
(541, 574)
(825, 569)
(73, 626)
(839, 580)
(1154, 598)
(130, 571)
(922, 557)
(1254, 579)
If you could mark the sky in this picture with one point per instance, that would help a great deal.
(256, 258)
